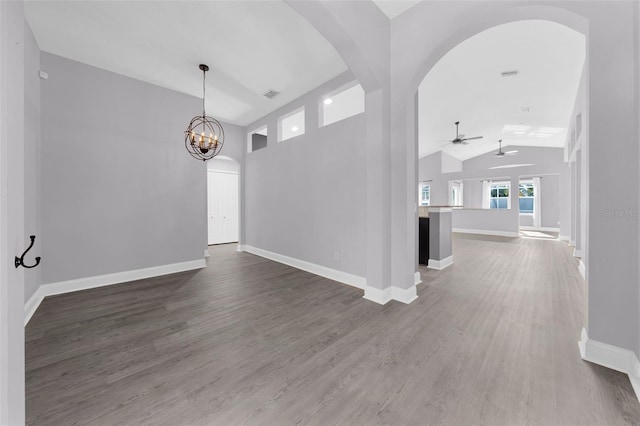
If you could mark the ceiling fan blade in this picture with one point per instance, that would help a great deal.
(512, 152)
(470, 139)
(463, 142)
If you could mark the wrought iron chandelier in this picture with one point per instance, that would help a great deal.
(205, 136)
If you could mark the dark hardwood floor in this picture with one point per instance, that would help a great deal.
(491, 340)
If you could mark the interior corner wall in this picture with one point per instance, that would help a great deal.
(32, 165)
(119, 191)
(305, 197)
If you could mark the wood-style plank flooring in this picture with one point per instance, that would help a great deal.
(491, 340)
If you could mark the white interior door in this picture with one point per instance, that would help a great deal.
(223, 207)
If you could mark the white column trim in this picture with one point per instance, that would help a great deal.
(440, 264)
(612, 357)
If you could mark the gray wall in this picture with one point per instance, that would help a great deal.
(305, 197)
(550, 199)
(546, 161)
(119, 191)
(33, 164)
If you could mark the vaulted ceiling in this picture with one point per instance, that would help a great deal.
(532, 108)
(251, 47)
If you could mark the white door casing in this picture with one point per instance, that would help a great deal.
(223, 207)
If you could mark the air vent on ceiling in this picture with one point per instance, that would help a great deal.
(509, 73)
(270, 94)
(525, 109)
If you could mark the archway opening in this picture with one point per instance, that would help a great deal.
(517, 90)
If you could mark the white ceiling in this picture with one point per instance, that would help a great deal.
(393, 8)
(251, 47)
(466, 85)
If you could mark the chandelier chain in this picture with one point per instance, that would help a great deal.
(204, 91)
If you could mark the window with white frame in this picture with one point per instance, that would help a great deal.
(424, 194)
(291, 125)
(257, 139)
(526, 197)
(499, 195)
(341, 104)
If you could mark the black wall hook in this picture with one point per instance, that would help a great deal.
(20, 260)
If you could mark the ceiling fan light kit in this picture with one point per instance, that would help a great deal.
(501, 153)
(461, 139)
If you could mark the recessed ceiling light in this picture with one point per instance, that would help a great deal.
(294, 129)
(328, 101)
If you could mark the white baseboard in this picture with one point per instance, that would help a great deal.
(440, 264)
(572, 243)
(377, 295)
(104, 280)
(613, 357)
(539, 228)
(417, 279)
(564, 238)
(333, 274)
(577, 253)
(206, 253)
(582, 269)
(486, 232)
(240, 247)
(32, 305)
(388, 294)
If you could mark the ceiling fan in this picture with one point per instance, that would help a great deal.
(502, 153)
(460, 139)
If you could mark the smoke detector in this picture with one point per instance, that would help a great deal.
(509, 73)
(270, 93)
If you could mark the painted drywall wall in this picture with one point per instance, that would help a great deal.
(12, 215)
(305, 196)
(550, 199)
(33, 149)
(449, 164)
(544, 161)
(119, 192)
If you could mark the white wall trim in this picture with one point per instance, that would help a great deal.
(206, 253)
(577, 253)
(486, 232)
(440, 264)
(384, 296)
(381, 297)
(564, 238)
(572, 243)
(240, 247)
(333, 274)
(539, 228)
(104, 280)
(582, 269)
(613, 357)
(417, 279)
(404, 295)
(32, 304)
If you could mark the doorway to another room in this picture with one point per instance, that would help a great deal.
(223, 201)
